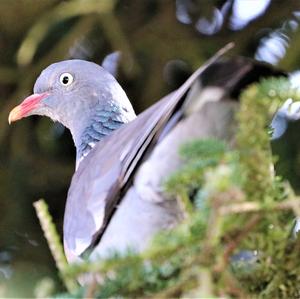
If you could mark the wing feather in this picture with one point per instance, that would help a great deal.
(97, 184)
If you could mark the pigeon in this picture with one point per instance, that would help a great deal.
(116, 200)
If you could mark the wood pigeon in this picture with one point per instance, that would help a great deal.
(116, 200)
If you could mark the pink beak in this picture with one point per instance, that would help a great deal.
(27, 106)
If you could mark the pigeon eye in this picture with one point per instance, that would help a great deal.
(66, 79)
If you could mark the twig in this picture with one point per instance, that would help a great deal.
(185, 204)
(91, 290)
(237, 240)
(54, 242)
(248, 207)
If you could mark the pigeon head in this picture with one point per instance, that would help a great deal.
(81, 95)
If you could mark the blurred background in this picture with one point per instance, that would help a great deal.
(161, 42)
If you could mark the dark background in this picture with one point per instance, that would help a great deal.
(161, 42)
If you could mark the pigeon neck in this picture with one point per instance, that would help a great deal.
(103, 120)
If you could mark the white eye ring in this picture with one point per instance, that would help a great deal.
(66, 79)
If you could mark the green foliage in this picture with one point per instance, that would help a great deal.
(54, 243)
(200, 156)
(259, 104)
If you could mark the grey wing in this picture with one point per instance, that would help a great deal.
(145, 209)
(95, 189)
(95, 186)
(94, 192)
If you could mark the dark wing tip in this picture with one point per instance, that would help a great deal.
(234, 74)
